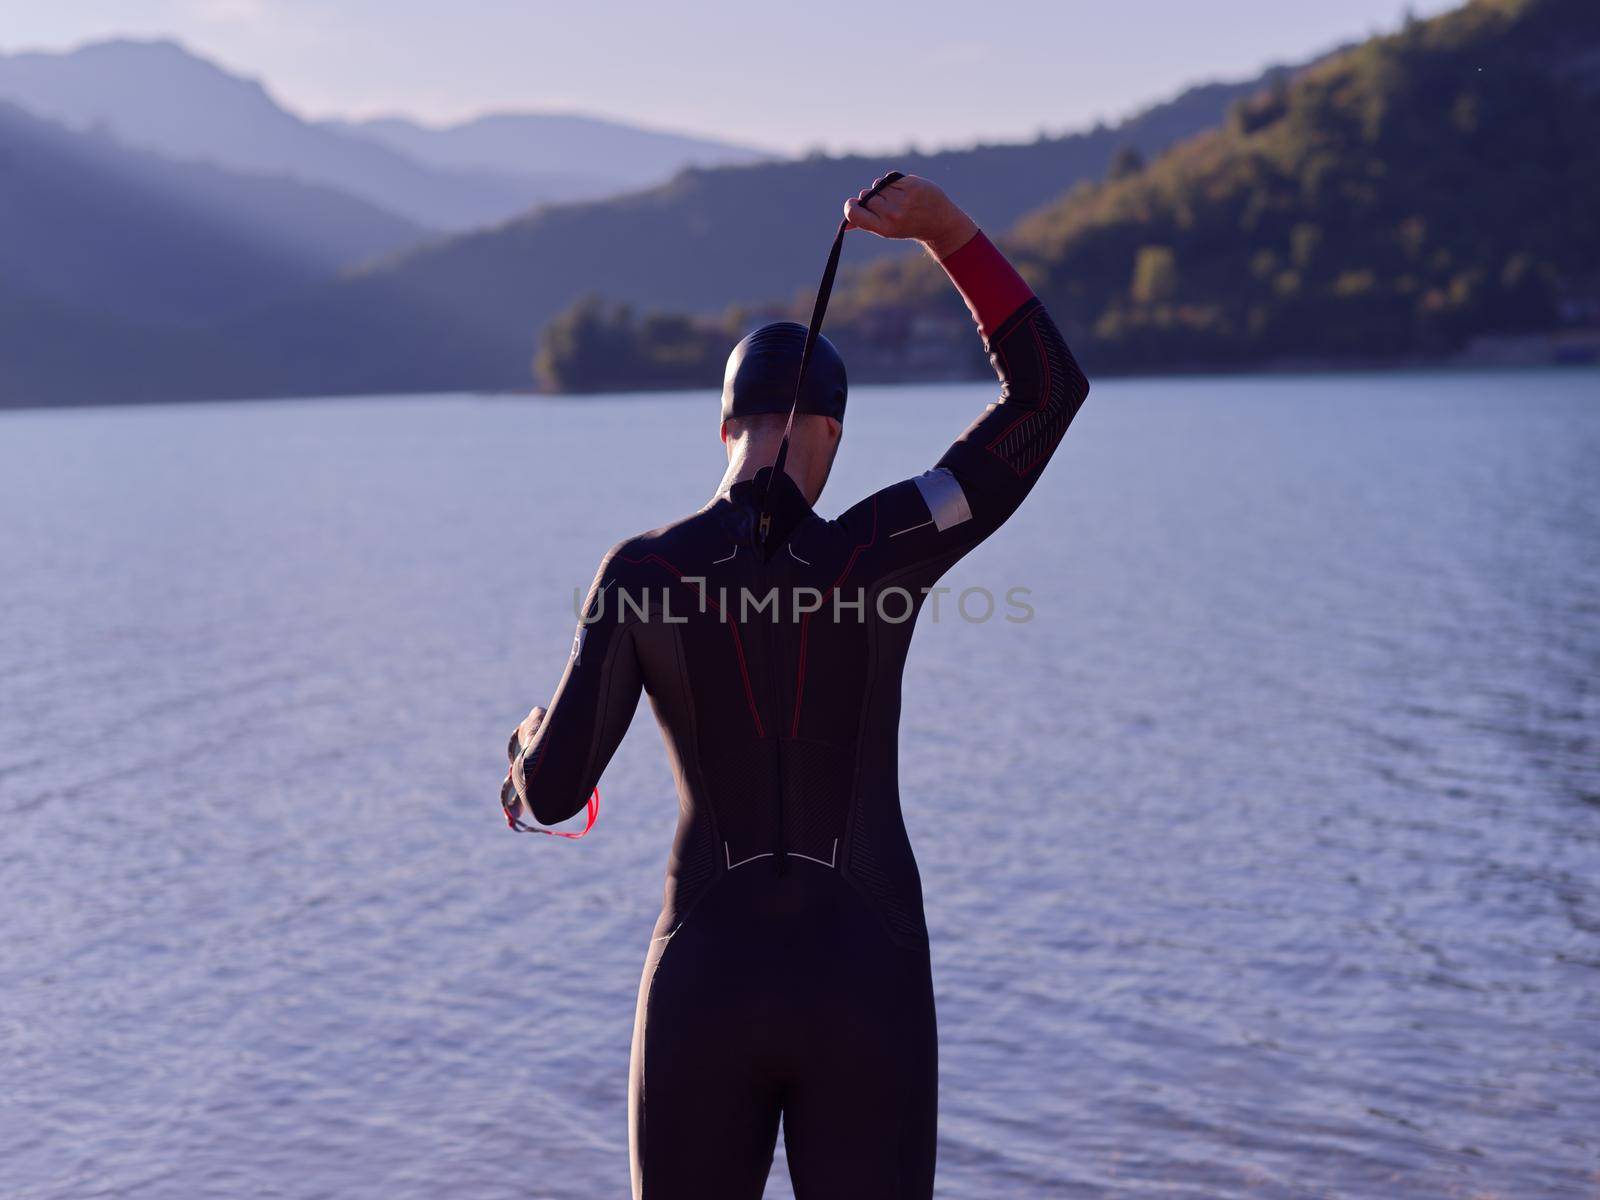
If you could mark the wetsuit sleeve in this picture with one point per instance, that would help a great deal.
(938, 516)
(591, 711)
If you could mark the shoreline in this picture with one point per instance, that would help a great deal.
(1464, 363)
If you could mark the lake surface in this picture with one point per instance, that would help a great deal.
(1286, 882)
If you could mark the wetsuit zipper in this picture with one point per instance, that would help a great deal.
(780, 849)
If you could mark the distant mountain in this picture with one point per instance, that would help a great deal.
(98, 227)
(568, 155)
(112, 260)
(157, 96)
(466, 313)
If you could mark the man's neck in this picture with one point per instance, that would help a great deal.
(753, 455)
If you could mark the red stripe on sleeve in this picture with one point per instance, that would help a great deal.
(987, 282)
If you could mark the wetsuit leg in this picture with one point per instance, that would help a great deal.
(785, 994)
(704, 1114)
(861, 1108)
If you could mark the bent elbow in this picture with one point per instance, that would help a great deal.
(1072, 385)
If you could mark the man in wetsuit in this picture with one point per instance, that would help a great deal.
(789, 975)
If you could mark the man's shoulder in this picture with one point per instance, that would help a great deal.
(675, 547)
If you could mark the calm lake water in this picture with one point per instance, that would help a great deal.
(1286, 883)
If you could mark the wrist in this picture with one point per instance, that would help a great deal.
(951, 236)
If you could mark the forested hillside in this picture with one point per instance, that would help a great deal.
(1394, 201)
(1388, 204)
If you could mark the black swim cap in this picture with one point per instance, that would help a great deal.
(761, 373)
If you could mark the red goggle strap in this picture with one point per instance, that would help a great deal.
(592, 814)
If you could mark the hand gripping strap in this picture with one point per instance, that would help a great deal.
(511, 803)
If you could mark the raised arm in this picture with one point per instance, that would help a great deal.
(559, 754)
(989, 470)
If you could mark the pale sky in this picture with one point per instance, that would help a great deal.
(787, 76)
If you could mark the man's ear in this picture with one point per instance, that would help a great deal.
(722, 432)
(835, 429)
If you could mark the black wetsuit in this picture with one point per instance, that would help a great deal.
(789, 971)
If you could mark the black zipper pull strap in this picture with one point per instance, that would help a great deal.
(818, 311)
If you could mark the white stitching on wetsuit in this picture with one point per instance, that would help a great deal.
(727, 856)
(715, 561)
(797, 558)
(910, 528)
(833, 857)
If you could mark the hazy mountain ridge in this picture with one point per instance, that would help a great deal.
(156, 95)
(99, 227)
(597, 156)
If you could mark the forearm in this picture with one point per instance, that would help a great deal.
(588, 716)
(989, 284)
(1001, 455)
(560, 755)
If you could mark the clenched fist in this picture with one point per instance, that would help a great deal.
(912, 208)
